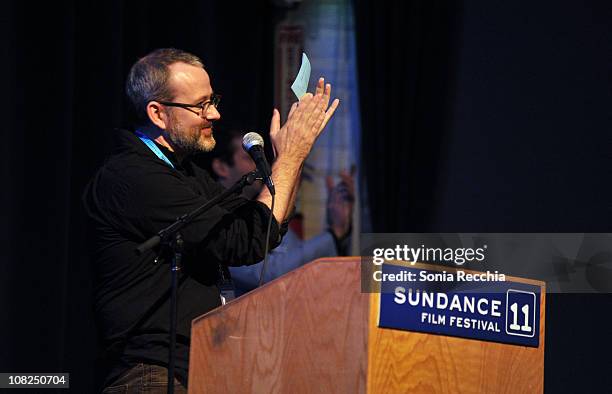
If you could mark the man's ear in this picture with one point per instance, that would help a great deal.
(157, 115)
(220, 168)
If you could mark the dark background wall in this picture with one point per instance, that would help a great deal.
(529, 146)
(490, 116)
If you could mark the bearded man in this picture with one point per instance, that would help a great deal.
(147, 183)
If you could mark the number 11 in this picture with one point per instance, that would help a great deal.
(525, 309)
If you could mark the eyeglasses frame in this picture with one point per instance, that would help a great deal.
(204, 106)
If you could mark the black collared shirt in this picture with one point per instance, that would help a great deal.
(133, 196)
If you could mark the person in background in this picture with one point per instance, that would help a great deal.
(229, 162)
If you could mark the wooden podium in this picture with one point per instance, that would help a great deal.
(314, 331)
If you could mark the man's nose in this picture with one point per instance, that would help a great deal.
(213, 113)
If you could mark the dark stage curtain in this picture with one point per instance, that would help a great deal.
(405, 52)
(65, 65)
(482, 116)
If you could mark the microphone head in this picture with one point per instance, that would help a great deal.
(252, 139)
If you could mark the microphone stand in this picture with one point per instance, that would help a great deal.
(171, 237)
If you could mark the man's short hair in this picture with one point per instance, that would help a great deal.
(148, 78)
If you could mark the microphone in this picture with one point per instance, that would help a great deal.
(253, 144)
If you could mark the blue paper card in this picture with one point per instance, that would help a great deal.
(300, 85)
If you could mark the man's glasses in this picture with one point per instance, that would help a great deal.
(202, 108)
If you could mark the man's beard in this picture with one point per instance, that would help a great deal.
(189, 140)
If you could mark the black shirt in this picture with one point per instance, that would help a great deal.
(133, 196)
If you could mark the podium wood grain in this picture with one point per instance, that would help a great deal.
(287, 336)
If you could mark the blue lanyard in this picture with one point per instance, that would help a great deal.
(154, 148)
